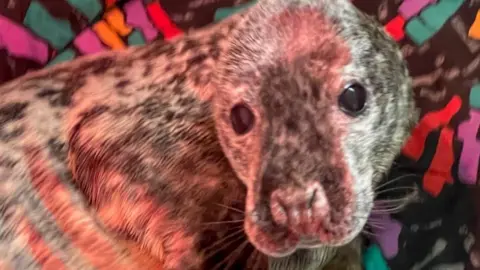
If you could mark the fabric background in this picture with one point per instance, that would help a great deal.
(440, 39)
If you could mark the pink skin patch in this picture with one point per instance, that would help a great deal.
(279, 243)
(301, 219)
(302, 210)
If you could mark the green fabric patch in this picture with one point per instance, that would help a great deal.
(418, 31)
(136, 38)
(64, 56)
(431, 20)
(223, 13)
(57, 32)
(373, 259)
(89, 8)
(475, 96)
(437, 15)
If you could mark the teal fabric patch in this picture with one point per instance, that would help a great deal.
(57, 32)
(373, 259)
(418, 31)
(136, 38)
(431, 20)
(64, 56)
(89, 8)
(223, 13)
(437, 15)
(475, 96)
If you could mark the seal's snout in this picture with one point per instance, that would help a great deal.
(303, 210)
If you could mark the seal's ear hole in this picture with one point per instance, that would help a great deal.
(242, 118)
(353, 99)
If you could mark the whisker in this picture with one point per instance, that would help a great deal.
(377, 228)
(257, 258)
(232, 237)
(373, 221)
(384, 207)
(390, 205)
(231, 208)
(382, 201)
(368, 233)
(395, 189)
(373, 218)
(388, 210)
(224, 222)
(237, 253)
(393, 203)
(181, 222)
(367, 216)
(227, 258)
(375, 225)
(396, 179)
(383, 204)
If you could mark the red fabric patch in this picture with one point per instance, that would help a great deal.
(431, 121)
(162, 21)
(440, 169)
(110, 3)
(395, 28)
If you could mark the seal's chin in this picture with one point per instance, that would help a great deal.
(271, 240)
(276, 241)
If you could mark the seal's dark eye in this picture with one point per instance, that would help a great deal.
(353, 98)
(242, 119)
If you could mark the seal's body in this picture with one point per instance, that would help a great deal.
(278, 121)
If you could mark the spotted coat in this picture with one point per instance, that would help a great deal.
(126, 160)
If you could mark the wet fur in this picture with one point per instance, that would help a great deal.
(123, 159)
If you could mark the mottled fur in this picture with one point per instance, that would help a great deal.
(126, 159)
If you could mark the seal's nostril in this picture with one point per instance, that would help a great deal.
(312, 199)
(278, 209)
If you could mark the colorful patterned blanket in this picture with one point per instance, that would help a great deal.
(440, 40)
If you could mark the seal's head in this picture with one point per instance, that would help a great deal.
(314, 102)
